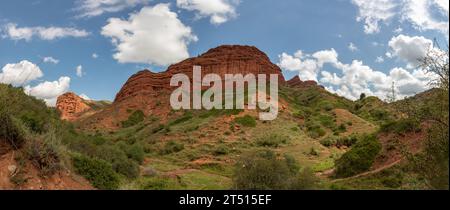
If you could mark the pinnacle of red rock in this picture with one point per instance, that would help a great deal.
(70, 105)
(297, 82)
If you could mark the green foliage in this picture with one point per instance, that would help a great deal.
(360, 157)
(401, 126)
(172, 147)
(221, 150)
(262, 170)
(314, 129)
(136, 152)
(44, 156)
(247, 121)
(99, 172)
(135, 118)
(272, 140)
(10, 131)
(329, 141)
(186, 117)
(118, 159)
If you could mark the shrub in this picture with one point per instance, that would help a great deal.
(329, 141)
(43, 156)
(34, 121)
(360, 157)
(247, 121)
(314, 130)
(186, 117)
(136, 152)
(306, 180)
(262, 170)
(172, 147)
(99, 172)
(135, 118)
(221, 150)
(401, 126)
(346, 141)
(118, 159)
(272, 140)
(10, 131)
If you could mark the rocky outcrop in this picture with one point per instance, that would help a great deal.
(149, 92)
(298, 83)
(227, 59)
(71, 106)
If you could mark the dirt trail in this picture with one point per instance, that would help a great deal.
(369, 172)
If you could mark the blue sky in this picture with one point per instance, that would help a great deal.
(386, 37)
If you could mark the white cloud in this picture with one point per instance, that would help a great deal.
(50, 60)
(308, 66)
(92, 8)
(410, 49)
(419, 13)
(352, 47)
(94, 55)
(49, 91)
(219, 11)
(422, 14)
(20, 73)
(379, 59)
(153, 35)
(79, 71)
(373, 12)
(85, 97)
(355, 78)
(14, 32)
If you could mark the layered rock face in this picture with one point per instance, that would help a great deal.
(227, 59)
(71, 106)
(298, 83)
(150, 92)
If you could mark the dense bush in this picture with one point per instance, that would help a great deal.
(118, 159)
(264, 171)
(10, 131)
(136, 152)
(99, 172)
(44, 156)
(329, 141)
(314, 130)
(172, 147)
(135, 118)
(360, 157)
(247, 121)
(271, 140)
(401, 126)
(221, 150)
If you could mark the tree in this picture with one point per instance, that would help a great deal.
(362, 96)
(433, 162)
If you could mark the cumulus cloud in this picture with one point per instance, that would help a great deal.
(420, 13)
(12, 31)
(219, 11)
(154, 35)
(49, 91)
(20, 73)
(50, 60)
(92, 8)
(94, 55)
(79, 71)
(374, 12)
(354, 78)
(410, 49)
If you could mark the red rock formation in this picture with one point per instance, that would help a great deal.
(150, 92)
(70, 105)
(227, 59)
(297, 82)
